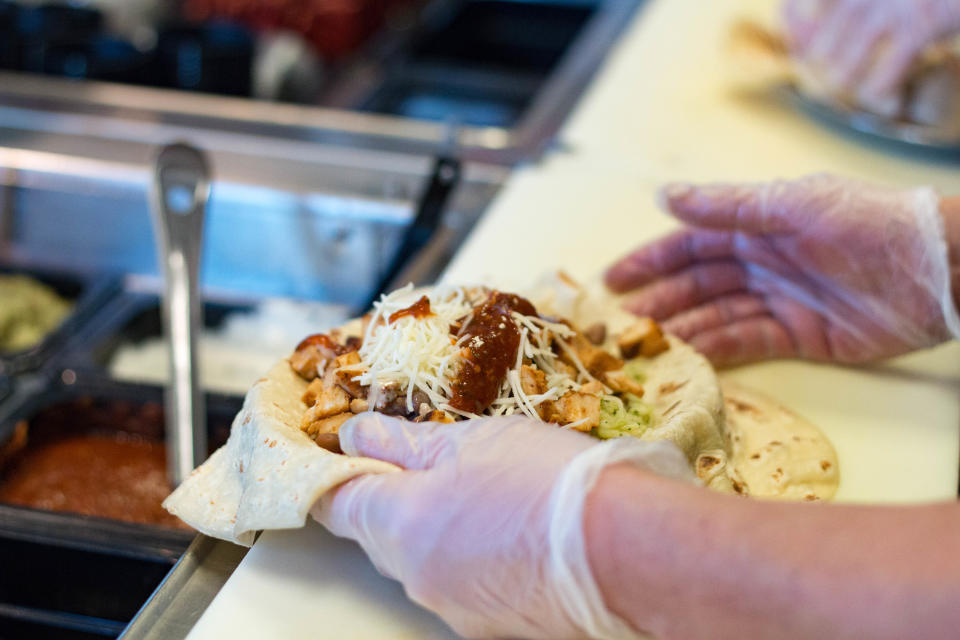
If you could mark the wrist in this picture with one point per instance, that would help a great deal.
(624, 528)
(603, 524)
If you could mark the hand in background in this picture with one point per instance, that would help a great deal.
(867, 47)
(485, 527)
(821, 268)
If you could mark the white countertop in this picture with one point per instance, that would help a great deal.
(660, 109)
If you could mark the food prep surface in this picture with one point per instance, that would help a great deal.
(82, 546)
(644, 121)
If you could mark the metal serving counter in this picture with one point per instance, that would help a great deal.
(149, 115)
(325, 219)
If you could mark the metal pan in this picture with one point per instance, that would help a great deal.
(52, 591)
(140, 415)
(892, 134)
(86, 292)
(138, 318)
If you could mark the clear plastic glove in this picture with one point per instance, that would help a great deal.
(821, 268)
(485, 528)
(865, 48)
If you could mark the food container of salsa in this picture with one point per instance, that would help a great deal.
(40, 310)
(83, 540)
(91, 451)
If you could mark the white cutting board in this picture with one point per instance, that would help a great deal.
(307, 584)
(895, 428)
(658, 111)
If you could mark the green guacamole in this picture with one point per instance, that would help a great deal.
(29, 310)
(627, 416)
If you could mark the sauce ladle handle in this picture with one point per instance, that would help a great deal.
(179, 194)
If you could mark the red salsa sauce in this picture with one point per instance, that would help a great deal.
(419, 309)
(490, 351)
(101, 458)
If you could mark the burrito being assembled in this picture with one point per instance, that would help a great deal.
(448, 354)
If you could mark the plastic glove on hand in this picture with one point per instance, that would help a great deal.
(866, 48)
(821, 268)
(485, 527)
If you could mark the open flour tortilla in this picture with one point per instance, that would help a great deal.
(270, 473)
(775, 452)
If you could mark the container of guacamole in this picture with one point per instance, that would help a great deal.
(39, 311)
(29, 311)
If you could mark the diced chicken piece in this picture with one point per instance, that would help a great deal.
(329, 400)
(594, 359)
(359, 405)
(593, 388)
(309, 363)
(596, 333)
(620, 382)
(346, 372)
(575, 407)
(642, 338)
(347, 359)
(314, 389)
(331, 424)
(532, 381)
(436, 415)
(313, 354)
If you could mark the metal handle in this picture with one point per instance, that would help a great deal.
(423, 230)
(181, 187)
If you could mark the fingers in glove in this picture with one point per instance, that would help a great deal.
(890, 70)
(364, 510)
(757, 209)
(805, 326)
(802, 18)
(687, 289)
(667, 255)
(838, 26)
(411, 445)
(716, 314)
(746, 341)
(858, 56)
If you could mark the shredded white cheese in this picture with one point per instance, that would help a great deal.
(419, 354)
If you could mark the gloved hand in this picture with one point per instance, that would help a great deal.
(866, 47)
(485, 528)
(821, 268)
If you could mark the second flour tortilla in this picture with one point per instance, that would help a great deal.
(775, 452)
